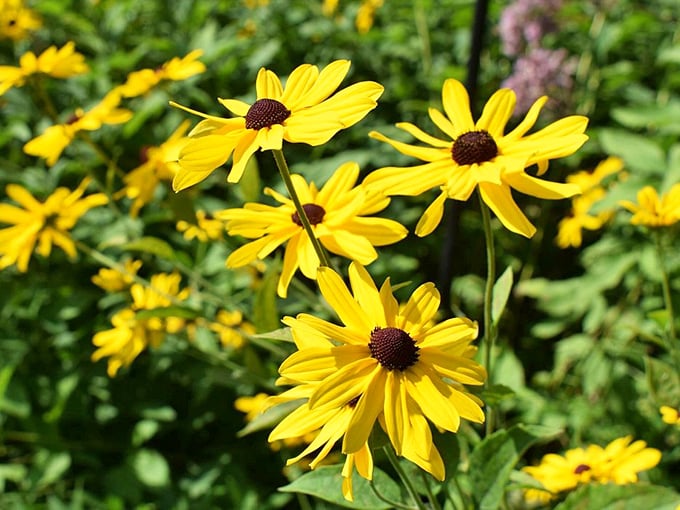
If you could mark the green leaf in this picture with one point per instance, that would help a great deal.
(621, 497)
(282, 334)
(638, 151)
(64, 389)
(151, 468)
(265, 311)
(168, 311)
(143, 431)
(325, 483)
(494, 458)
(496, 393)
(501, 293)
(250, 184)
(54, 465)
(151, 245)
(269, 418)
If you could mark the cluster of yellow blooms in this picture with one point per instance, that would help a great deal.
(17, 20)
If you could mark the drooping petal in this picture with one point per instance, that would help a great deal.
(500, 201)
(540, 188)
(347, 382)
(367, 409)
(432, 216)
(431, 400)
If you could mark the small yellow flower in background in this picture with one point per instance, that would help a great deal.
(231, 328)
(51, 143)
(251, 406)
(653, 210)
(329, 7)
(366, 15)
(130, 336)
(206, 229)
(570, 228)
(479, 155)
(619, 463)
(305, 111)
(159, 164)
(58, 63)
(254, 4)
(176, 69)
(385, 365)
(113, 280)
(670, 415)
(17, 20)
(338, 214)
(45, 223)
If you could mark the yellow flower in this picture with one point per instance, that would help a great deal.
(670, 415)
(160, 164)
(619, 463)
(251, 406)
(58, 63)
(366, 15)
(207, 228)
(384, 365)
(55, 139)
(326, 426)
(16, 20)
(176, 69)
(479, 155)
(302, 112)
(653, 210)
(113, 280)
(130, 335)
(231, 328)
(569, 230)
(337, 213)
(44, 223)
(329, 7)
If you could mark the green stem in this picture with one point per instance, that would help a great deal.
(430, 495)
(392, 503)
(489, 330)
(671, 335)
(392, 457)
(285, 175)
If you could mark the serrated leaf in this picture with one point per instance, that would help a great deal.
(501, 293)
(168, 311)
(326, 483)
(493, 459)
(151, 245)
(621, 497)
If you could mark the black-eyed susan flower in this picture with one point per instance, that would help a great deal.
(569, 229)
(653, 210)
(58, 63)
(205, 229)
(43, 223)
(480, 155)
(338, 213)
(619, 463)
(17, 20)
(175, 69)
(131, 335)
(158, 164)
(51, 143)
(670, 415)
(385, 364)
(305, 111)
(113, 280)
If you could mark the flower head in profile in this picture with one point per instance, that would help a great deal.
(17, 20)
(569, 230)
(51, 143)
(306, 110)
(385, 364)
(43, 223)
(113, 280)
(130, 334)
(176, 69)
(158, 164)
(653, 210)
(619, 463)
(670, 415)
(338, 213)
(205, 229)
(479, 155)
(58, 63)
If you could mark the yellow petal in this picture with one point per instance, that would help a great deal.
(530, 185)
(421, 307)
(429, 154)
(268, 85)
(457, 106)
(497, 112)
(431, 217)
(500, 201)
(366, 412)
(339, 298)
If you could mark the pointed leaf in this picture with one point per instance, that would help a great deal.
(621, 497)
(501, 293)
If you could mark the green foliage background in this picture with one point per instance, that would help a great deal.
(575, 344)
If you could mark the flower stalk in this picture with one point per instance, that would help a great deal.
(671, 334)
(282, 165)
(410, 488)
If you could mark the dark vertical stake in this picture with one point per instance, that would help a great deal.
(453, 209)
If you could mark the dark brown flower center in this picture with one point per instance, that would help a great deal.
(266, 112)
(581, 468)
(474, 147)
(393, 348)
(314, 214)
